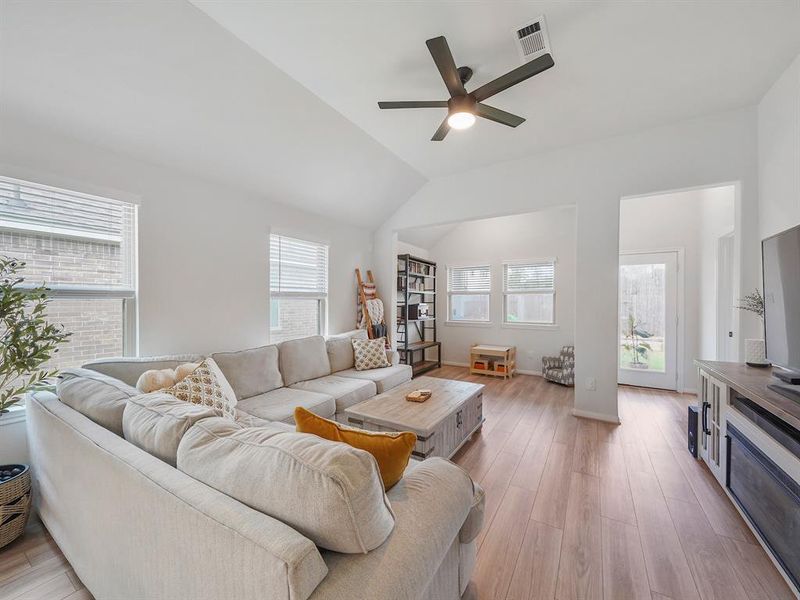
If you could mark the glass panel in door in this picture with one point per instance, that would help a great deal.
(647, 320)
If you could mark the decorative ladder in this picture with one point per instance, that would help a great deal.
(367, 290)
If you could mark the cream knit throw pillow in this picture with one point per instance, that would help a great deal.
(207, 386)
(370, 354)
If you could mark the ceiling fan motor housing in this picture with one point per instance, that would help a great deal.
(458, 104)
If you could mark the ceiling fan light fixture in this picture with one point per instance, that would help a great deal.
(461, 120)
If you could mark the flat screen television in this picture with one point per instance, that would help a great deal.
(781, 268)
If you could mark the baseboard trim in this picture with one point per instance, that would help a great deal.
(451, 363)
(586, 414)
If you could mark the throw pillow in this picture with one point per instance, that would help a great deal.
(207, 386)
(391, 450)
(370, 354)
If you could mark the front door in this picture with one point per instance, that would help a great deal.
(648, 320)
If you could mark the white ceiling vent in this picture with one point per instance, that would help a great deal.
(532, 40)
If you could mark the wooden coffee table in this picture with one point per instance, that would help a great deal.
(442, 423)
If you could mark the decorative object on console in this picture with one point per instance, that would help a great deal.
(560, 369)
(392, 450)
(755, 353)
(207, 386)
(15, 501)
(370, 354)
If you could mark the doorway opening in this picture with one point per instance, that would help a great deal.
(676, 285)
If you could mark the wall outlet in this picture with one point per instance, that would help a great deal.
(591, 384)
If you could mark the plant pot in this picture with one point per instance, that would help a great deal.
(15, 502)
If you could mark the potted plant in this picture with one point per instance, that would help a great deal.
(634, 335)
(27, 342)
(754, 349)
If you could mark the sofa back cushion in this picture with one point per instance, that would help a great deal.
(156, 423)
(328, 491)
(129, 368)
(340, 349)
(251, 372)
(303, 359)
(96, 396)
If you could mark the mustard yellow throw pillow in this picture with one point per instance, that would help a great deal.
(391, 450)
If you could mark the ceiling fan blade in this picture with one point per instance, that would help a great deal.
(514, 77)
(414, 104)
(444, 128)
(443, 58)
(497, 115)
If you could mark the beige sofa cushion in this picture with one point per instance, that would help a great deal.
(430, 504)
(340, 349)
(129, 368)
(251, 372)
(347, 391)
(329, 492)
(278, 405)
(384, 379)
(156, 423)
(474, 523)
(303, 359)
(94, 395)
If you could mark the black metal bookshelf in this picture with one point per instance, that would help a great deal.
(416, 314)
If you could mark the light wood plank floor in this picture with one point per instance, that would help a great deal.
(576, 509)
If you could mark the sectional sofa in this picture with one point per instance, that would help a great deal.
(142, 507)
(270, 381)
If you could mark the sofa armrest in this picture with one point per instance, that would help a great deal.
(430, 504)
(474, 523)
(129, 368)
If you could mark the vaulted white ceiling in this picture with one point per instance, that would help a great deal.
(161, 81)
(620, 66)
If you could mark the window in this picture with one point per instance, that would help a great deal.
(298, 285)
(83, 248)
(529, 292)
(468, 290)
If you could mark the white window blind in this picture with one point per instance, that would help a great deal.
(468, 290)
(298, 267)
(82, 247)
(469, 279)
(529, 278)
(298, 282)
(529, 292)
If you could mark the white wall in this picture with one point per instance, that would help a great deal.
(544, 234)
(691, 220)
(203, 261)
(418, 251)
(779, 154)
(594, 177)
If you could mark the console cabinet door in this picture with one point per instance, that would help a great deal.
(713, 401)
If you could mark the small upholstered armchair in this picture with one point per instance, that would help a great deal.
(560, 369)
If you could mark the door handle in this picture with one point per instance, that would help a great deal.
(704, 420)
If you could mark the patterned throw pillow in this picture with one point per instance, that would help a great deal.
(207, 386)
(370, 354)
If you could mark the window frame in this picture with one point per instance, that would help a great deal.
(553, 324)
(321, 298)
(488, 322)
(128, 294)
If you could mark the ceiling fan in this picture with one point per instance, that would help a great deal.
(463, 106)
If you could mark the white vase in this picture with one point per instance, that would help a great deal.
(755, 352)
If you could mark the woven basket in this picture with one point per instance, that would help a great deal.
(15, 504)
